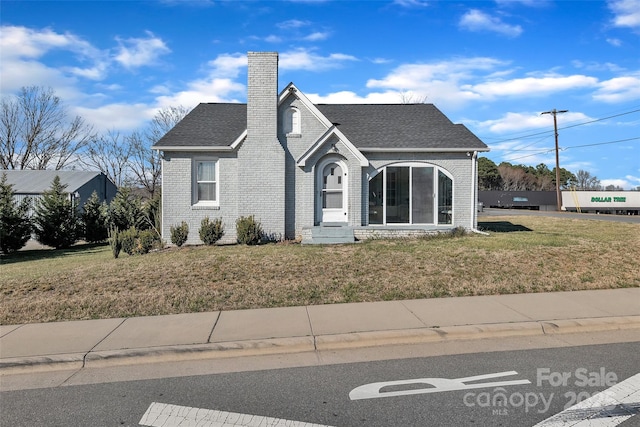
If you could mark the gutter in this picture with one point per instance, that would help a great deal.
(421, 150)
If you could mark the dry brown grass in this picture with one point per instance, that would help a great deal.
(87, 283)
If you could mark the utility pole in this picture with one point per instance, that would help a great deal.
(555, 112)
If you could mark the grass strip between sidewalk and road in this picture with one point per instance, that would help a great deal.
(520, 254)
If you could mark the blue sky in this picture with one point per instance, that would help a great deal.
(492, 65)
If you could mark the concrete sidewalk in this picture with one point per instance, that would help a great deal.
(95, 343)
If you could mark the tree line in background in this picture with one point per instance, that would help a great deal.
(36, 132)
(508, 177)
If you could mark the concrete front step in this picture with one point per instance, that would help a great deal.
(330, 234)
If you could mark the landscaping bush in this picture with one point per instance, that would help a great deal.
(115, 242)
(132, 241)
(179, 234)
(128, 239)
(211, 231)
(248, 230)
(146, 240)
(15, 225)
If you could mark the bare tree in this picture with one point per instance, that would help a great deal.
(36, 133)
(585, 181)
(513, 178)
(146, 164)
(110, 154)
(412, 98)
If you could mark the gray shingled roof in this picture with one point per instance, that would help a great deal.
(39, 181)
(373, 126)
(208, 125)
(380, 126)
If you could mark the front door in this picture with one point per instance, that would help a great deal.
(332, 195)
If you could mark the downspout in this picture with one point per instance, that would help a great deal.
(474, 195)
(161, 231)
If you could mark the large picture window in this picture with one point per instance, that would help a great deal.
(411, 195)
(206, 182)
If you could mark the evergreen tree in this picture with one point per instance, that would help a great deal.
(125, 211)
(56, 221)
(488, 175)
(94, 220)
(15, 224)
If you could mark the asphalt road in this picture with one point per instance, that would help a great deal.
(555, 379)
(524, 212)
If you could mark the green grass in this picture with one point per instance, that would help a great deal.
(520, 254)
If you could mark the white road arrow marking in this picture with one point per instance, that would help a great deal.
(437, 385)
(165, 415)
(608, 408)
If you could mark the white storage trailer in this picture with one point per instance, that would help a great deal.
(613, 202)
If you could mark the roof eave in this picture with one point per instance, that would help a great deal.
(183, 148)
(193, 148)
(420, 150)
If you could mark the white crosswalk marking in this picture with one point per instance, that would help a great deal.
(166, 415)
(605, 409)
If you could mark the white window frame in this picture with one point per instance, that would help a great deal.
(194, 182)
(436, 178)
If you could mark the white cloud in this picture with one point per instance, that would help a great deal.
(273, 39)
(623, 183)
(475, 20)
(614, 42)
(619, 89)
(348, 97)
(532, 86)
(228, 65)
(411, 3)
(123, 117)
(97, 72)
(598, 66)
(317, 36)
(626, 13)
(529, 3)
(515, 122)
(24, 42)
(301, 59)
(441, 82)
(21, 49)
(218, 86)
(292, 23)
(139, 52)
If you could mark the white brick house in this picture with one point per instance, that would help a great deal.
(376, 168)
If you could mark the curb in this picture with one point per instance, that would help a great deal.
(110, 358)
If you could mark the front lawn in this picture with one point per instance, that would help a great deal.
(521, 254)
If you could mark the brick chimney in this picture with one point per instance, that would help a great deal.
(261, 157)
(262, 95)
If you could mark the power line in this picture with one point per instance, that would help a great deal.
(548, 150)
(599, 120)
(526, 136)
(602, 143)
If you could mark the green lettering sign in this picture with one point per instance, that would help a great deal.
(598, 199)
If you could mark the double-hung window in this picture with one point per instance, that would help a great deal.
(205, 190)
